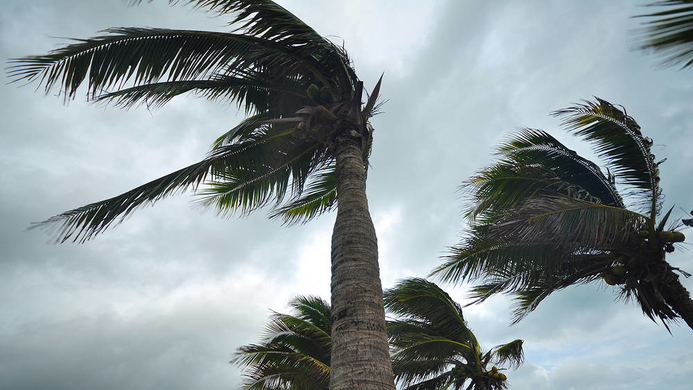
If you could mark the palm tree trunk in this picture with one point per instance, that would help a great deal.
(360, 354)
(676, 296)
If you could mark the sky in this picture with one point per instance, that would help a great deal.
(164, 299)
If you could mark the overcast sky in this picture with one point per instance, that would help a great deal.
(163, 300)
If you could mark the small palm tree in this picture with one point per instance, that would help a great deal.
(295, 352)
(543, 218)
(434, 348)
(303, 148)
(670, 31)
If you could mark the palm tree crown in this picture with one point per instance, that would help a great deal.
(295, 351)
(433, 346)
(281, 154)
(544, 218)
(303, 147)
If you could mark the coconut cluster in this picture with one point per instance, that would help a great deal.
(494, 374)
(322, 95)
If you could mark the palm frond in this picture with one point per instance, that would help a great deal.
(426, 353)
(578, 270)
(255, 93)
(270, 21)
(538, 149)
(295, 352)
(645, 290)
(510, 353)
(81, 224)
(569, 221)
(617, 138)
(669, 32)
(246, 188)
(143, 55)
(243, 176)
(428, 382)
(318, 197)
(421, 300)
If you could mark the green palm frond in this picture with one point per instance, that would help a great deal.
(617, 138)
(412, 370)
(577, 270)
(268, 20)
(533, 162)
(537, 148)
(247, 187)
(256, 168)
(432, 344)
(255, 93)
(421, 300)
(669, 32)
(81, 224)
(423, 382)
(568, 221)
(295, 352)
(139, 55)
(510, 354)
(648, 297)
(318, 197)
(480, 258)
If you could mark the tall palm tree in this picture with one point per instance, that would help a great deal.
(303, 148)
(669, 31)
(544, 218)
(434, 348)
(295, 351)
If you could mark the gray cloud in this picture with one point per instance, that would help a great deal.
(163, 300)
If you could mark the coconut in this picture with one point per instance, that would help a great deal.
(503, 377)
(313, 92)
(666, 236)
(619, 270)
(612, 279)
(679, 237)
(326, 94)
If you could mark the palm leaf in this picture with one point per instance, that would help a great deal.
(537, 148)
(568, 221)
(616, 137)
(669, 32)
(510, 353)
(318, 197)
(81, 224)
(143, 55)
(421, 300)
(295, 352)
(432, 344)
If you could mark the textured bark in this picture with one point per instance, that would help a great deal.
(360, 354)
(676, 296)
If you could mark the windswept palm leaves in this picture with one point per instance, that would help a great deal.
(303, 148)
(280, 155)
(295, 352)
(434, 348)
(544, 218)
(669, 31)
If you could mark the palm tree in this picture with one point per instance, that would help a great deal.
(434, 348)
(303, 148)
(295, 352)
(543, 218)
(670, 32)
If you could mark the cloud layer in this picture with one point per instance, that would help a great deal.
(164, 299)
